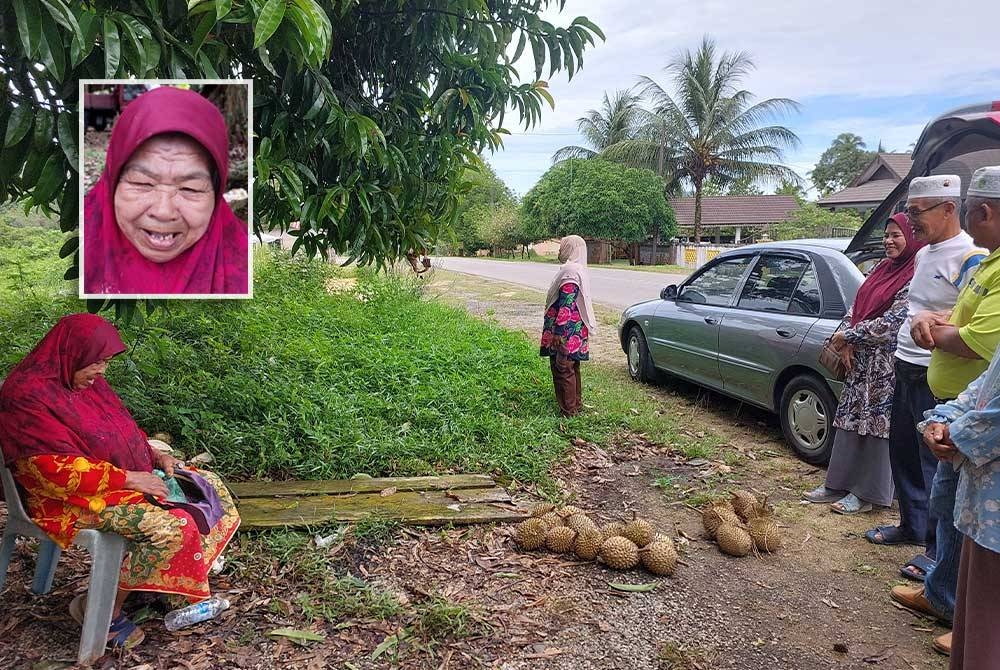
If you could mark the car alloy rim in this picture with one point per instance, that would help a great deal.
(807, 419)
(633, 355)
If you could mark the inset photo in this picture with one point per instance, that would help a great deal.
(166, 172)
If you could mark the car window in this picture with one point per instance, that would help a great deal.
(716, 285)
(807, 298)
(772, 283)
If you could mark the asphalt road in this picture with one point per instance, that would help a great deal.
(614, 288)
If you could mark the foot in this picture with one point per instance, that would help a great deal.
(942, 644)
(913, 598)
(123, 634)
(821, 494)
(890, 535)
(851, 504)
(918, 568)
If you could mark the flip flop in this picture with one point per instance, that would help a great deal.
(851, 504)
(821, 494)
(920, 565)
(890, 536)
(123, 634)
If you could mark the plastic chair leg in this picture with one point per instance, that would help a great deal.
(45, 566)
(106, 563)
(6, 551)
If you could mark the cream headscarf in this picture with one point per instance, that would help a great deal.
(573, 256)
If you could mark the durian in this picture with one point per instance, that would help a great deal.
(587, 544)
(560, 539)
(639, 531)
(551, 520)
(715, 516)
(530, 534)
(612, 529)
(580, 521)
(619, 553)
(659, 557)
(743, 502)
(542, 509)
(568, 511)
(733, 540)
(764, 533)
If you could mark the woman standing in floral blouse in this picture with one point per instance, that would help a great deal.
(569, 322)
(859, 475)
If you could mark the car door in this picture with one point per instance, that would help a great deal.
(778, 305)
(685, 333)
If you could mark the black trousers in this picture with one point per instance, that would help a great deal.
(913, 464)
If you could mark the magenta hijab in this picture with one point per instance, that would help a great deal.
(215, 264)
(876, 294)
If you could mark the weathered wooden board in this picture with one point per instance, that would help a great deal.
(338, 486)
(430, 508)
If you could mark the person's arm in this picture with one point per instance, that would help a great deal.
(923, 323)
(948, 338)
(62, 476)
(978, 338)
(976, 433)
(882, 328)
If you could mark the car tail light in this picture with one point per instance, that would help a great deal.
(996, 105)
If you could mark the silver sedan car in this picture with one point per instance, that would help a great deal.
(750, 324)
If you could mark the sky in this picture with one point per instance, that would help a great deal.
(881, 69)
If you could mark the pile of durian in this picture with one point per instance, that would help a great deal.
(742, 524)
(619, 545)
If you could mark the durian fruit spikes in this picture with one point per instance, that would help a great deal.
(619, 553)
(568, 511)
(551, 520)
(530, 534)
(612, 529)
(733, 540)
(764, 533)
(659, 556)
(587, 544)
(716, 515)
(743, 502)
(639, 531)
(760, 509)
(542, 509)
(560, 539)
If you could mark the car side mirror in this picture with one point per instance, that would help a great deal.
(669, 293)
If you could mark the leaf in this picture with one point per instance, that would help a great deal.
(548, 97)
(388, 643)
(60, 11)
(67, 129)
(112, 48)
(50, 180)
(295, 634)
(52, 50)
(633, 588)
(17, 125)
(29, 27)
(268, 21)
(201, 32)
(69, 246)
(79, 50)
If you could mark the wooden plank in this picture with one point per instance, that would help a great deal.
(335, 486)
(431, 508)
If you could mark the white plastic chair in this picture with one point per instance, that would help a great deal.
(106, 551)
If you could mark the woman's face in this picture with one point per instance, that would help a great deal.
(164, 198)
(85, 378)
(894, 241)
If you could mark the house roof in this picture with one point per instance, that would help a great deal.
(735, 210)
(870, 193)
(897, 166)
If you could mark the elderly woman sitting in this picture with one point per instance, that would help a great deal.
(84, 463)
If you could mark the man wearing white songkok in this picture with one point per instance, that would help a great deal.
(965, 435)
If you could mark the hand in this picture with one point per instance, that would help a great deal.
(145, 482)
(938, 440)
(922, 325)
(838, 341)
(167, 463)
(847, 356)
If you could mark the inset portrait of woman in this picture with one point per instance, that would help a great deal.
(156, 222)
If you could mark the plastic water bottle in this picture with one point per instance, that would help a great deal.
(192, 614)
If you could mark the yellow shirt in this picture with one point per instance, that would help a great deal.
(977, 315)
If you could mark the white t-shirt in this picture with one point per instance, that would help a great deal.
(941, 271)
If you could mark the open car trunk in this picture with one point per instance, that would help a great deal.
(959, 143)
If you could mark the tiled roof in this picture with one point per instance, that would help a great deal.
(898, 163)
(735, 210)
(872, 192)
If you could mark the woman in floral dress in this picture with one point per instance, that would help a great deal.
(569, 323)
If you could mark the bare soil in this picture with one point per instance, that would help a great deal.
(511, 610)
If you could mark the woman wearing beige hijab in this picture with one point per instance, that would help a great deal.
(569, 322)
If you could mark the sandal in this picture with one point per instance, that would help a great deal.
(890, 536)
(851, 504)
(918, 568)
(821, 494)
(122, 634)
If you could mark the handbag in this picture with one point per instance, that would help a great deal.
(829, 358)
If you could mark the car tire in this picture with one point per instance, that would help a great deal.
(639, 362)
(806, 411)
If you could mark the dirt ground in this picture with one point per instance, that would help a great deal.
(826, 588)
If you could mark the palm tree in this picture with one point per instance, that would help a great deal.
(615, 122)
(710, 128)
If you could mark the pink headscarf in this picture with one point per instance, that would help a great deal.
(218, 262)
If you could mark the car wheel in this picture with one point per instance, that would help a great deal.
(640, 363)
(807, 410)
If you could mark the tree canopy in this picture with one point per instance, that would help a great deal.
(599, 199)
(366, 112)
(844, 159)
(709, 128)
(484, 194)
(617, 120)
